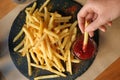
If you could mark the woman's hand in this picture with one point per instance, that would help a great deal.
(100, 12)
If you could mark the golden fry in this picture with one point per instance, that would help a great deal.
(34, 25)
(75, 61)
(45, 3)
(63, 19)
(30, 37)
(46, 77)
(48, 48)
(46, 16)
(33, 8)
(69, 69)
(34, 57)
(18, 35)
(51, 33)
(29, 66)
(19, 45)
(51, 23)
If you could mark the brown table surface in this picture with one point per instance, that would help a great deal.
(111, 73)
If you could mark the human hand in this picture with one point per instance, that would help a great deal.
(101, 12)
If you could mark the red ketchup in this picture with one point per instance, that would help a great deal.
(89, 51)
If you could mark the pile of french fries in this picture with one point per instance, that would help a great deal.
(47, 42)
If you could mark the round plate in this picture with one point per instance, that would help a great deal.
(64, 7)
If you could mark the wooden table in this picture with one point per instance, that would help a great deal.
(6, 6)
(111, 73)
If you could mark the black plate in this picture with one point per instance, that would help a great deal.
(64, 7)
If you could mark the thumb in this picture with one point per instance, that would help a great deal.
(95, 25)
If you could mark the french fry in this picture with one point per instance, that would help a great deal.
(39, 56)
(57, 72)
(54, 65)
(46, 16)
(51, 70)
(43, 46)
(64, 42)
(30, 37)
(62, 52)
(52, 39)
(75, 61)
(56, 14)
(58, 55)
(34, 25)
(62, 35)
(74, 34)
(45, 3)
(26, 46)
(86, 36)
(19, 45)
(63, 19)
(41, 28)
(33, 57)
(68, 45)
(69, 69)
(46, 77)
(29, 66)
(73, 25)
(39, 59)
(18, 35)
(28, 17)
(36, 19)
(58, 63)
(33, 8)
(51, 33)
(49, 48)
(37, 51)
(51, 22)
(38, 66)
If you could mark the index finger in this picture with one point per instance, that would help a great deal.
(82, 15)
(81, 22)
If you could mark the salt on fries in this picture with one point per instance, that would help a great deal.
(47, 42)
